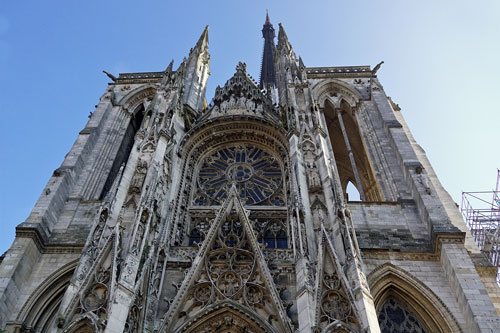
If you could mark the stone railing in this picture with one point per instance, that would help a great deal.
(139, 77)
(339, 71)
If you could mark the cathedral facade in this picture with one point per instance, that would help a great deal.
(170, 214)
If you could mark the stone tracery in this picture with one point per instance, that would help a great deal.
(257, 174)
(230, 269)
(395, 317)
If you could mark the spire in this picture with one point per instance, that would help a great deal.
(202, 43)
(268, 21)
(267, 75)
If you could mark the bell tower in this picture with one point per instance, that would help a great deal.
(170, 214)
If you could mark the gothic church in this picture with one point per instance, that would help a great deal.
(170, 214)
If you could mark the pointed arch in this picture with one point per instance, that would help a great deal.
(84, 324)
(227, 316)
(338, 327)
(123, 153)
(308, 142)
(136, 97)
(335, 309)
(334, 90)
(352, 192)
(389, 281)
(39, 311)
(349, 147)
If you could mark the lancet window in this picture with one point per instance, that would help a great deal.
(351, 156)
(272, 233)
(125, 148)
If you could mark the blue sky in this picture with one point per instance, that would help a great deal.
(441, 67)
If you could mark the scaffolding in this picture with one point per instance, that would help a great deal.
(481, 211)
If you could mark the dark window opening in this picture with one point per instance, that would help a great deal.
(124, 150)
(275, 241)
(194, 237)
(281, 241)
(347, 173)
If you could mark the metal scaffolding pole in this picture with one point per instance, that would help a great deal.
(481, 211)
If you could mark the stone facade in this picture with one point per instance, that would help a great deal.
(171, 215)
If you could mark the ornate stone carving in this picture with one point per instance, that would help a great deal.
(132, 324)
(335, 303)
(226, 322)
(139, 234)
(256, 173)
(139, 176)
(313, 179)
(240, 96)
(94, 245)
(230, 269)
(94, 300)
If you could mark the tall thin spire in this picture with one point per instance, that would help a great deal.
(202, 43)
(268, 21)
(267, 75)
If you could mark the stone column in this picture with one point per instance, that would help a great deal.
(351, 157)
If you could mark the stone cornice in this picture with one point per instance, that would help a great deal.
(42, 245)
(434, 255)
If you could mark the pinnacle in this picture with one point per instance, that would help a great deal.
(301, 63)
(241, 67)
(202, 43)
(268, 21)
(170, 66)
(282, 37)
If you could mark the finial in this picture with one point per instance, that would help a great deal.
(241, 67)
(268, 21)
(203, 40)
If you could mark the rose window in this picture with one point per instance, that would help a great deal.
(256, 174)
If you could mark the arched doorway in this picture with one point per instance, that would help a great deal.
(226, 319)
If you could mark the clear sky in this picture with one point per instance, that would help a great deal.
(441, 66)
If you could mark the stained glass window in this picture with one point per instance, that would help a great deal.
(256, 174)
(395, 317)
